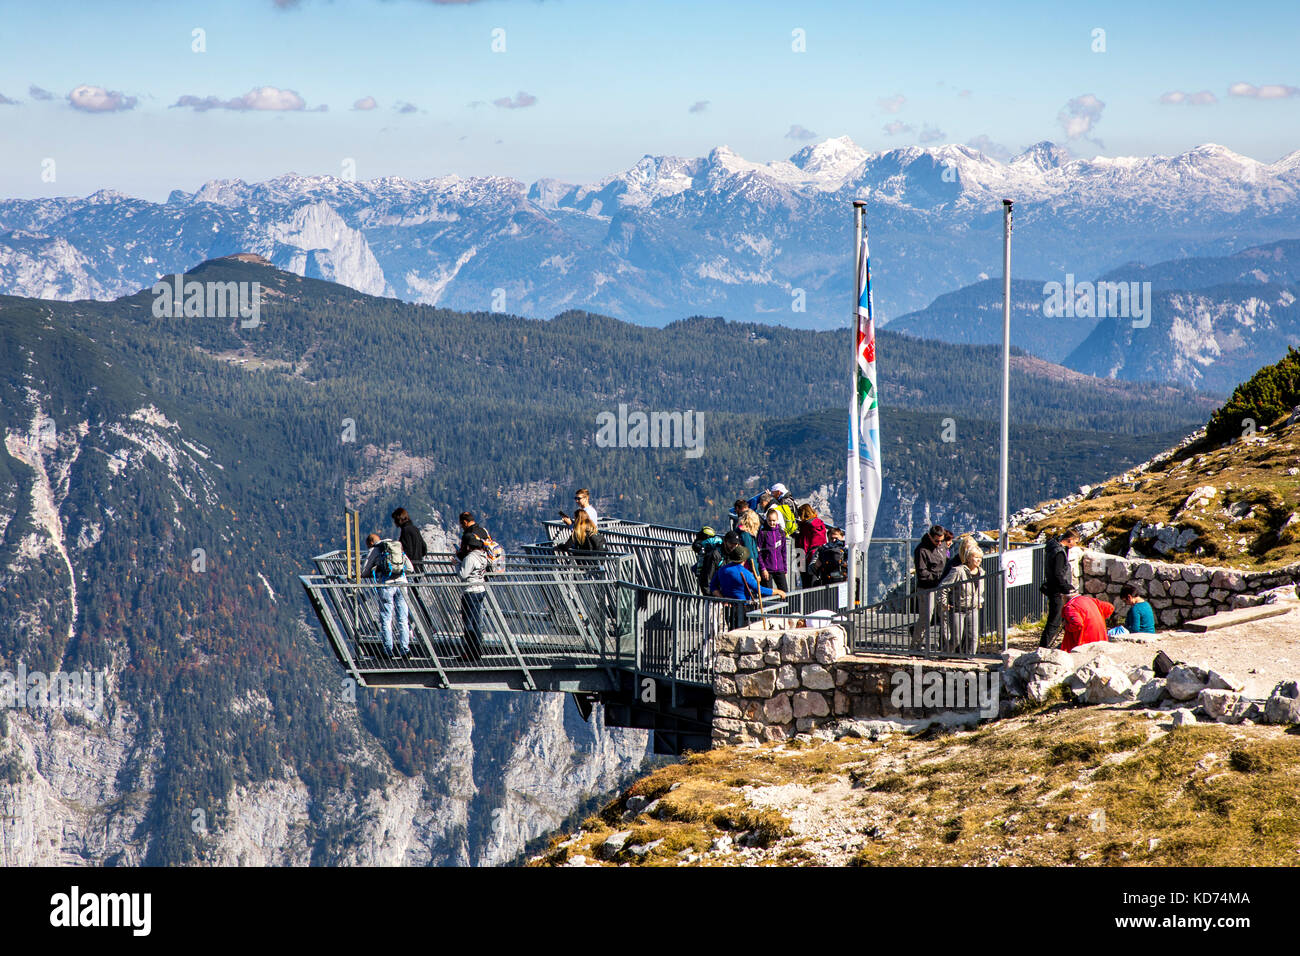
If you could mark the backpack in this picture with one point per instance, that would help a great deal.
(391, 562)
(495, 554)
(786, 507)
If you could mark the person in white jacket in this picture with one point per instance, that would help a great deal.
(382, 568)
(473, 567)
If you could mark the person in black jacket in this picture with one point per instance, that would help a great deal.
(470, 531)
(929, 558)
(1059, 584)
(412, 541)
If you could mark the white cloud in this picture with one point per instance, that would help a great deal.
(36, 93)
(699, 106)
(894, 127)
(96, 99)
(260, 98)
(1203, 98)
(930, 134)
(365, 103)
(892, 104)
(1080, 116)
(519, 101)
(798, 132)
(1270, 91)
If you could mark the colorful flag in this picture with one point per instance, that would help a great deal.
(864, 466)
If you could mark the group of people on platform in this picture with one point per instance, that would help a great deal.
(753, 560)
(391, 560)
(950, 594)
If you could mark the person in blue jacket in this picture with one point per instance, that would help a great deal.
(735, 581)
(1141, 619)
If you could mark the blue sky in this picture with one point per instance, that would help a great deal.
(606, 83)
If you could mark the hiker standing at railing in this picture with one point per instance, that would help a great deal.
(929, 559)
(387, 565)
(473, 568)
(964, 587)
(582, 498)
(771, 550)
(412, 540)
(810, 536)
(749, 538)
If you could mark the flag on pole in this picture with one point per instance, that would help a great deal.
(864, 466)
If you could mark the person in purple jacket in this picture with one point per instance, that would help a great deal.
(772, 551)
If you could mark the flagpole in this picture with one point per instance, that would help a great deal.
(859, 215)
(1006, 405)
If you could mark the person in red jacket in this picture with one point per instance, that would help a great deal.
(1085, 621)
(810, 536)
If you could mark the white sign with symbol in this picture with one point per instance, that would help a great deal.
(1018, 566)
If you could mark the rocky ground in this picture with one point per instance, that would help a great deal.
(1189, 774)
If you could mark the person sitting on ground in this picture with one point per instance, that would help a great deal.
(470, 531)
(830, 562)
(1084, 621)
(412, 540)
(772, 551)
(733, 580)
(965, 596)
(582, 498)
(1058, 585)
(708, 546)
(1140, 618)
(749, 538)
(473, 567)
(810, 536)
(387, 565)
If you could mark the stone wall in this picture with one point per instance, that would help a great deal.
(1178, 592)
(773, 684)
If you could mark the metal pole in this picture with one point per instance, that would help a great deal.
(1006, 407)
(859, 216)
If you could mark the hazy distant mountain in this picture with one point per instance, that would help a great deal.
(973, 316)
(672, 236)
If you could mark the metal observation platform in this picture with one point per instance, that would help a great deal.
(628, 629)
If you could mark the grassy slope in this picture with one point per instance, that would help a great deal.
(1059, 787)
(1241, 526)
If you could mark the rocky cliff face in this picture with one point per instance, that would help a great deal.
(96, 516)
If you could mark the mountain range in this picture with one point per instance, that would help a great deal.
(672, 236)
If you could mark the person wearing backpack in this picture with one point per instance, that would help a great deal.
(474, 565)
(387, 566)
(772, 551)
(412, 540)
(470, 531)
(789, 509)
(830, 563)
(708, 546)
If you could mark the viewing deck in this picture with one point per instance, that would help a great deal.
(628, 629)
